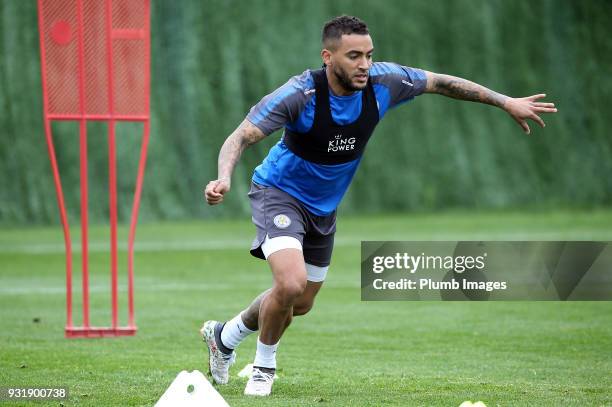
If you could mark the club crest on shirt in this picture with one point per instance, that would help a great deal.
(282, 221)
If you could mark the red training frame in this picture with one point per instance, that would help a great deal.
(95, 66)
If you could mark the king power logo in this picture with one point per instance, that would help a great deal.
(340, 143)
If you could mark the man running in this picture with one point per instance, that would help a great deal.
(328, 115)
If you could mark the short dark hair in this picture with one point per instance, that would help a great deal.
(335, 28)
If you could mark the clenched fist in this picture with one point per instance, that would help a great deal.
(215, 190)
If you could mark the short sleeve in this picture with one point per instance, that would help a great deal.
(284, 105)
(400, 82)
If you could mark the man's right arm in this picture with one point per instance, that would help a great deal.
(245, 135)
(272, 113)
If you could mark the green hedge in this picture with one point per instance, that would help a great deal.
(212, 60)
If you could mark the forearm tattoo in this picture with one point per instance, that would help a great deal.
(463, 89)
(245, 135)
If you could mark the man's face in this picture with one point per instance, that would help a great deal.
(350, 61)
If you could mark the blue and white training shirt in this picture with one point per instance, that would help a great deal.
(320, 187)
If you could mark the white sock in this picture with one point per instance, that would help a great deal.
(265, 355)
(234, 332)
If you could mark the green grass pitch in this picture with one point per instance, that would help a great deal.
(344, 353)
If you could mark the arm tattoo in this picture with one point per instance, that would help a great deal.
(245, 135)
(463, 89)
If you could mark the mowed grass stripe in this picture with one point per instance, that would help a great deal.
(344, 353)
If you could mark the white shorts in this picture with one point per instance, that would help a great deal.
(316, 274)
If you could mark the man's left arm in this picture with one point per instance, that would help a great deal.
(520, 109)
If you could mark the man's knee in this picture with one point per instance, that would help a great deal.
(289, 290)
(289, 272)
(303, 308)
(305, 303)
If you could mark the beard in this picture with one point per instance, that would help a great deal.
(345, 81)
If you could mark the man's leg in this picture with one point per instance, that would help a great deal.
(234, 331)
(250, 316)
(289, 273)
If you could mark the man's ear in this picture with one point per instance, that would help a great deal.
(326, 56)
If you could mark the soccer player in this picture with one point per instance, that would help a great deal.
(328, 116)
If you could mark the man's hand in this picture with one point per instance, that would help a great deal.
(215, 190)
(245, 135)
(522, 109)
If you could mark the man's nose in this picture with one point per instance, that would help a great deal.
(364, 63)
